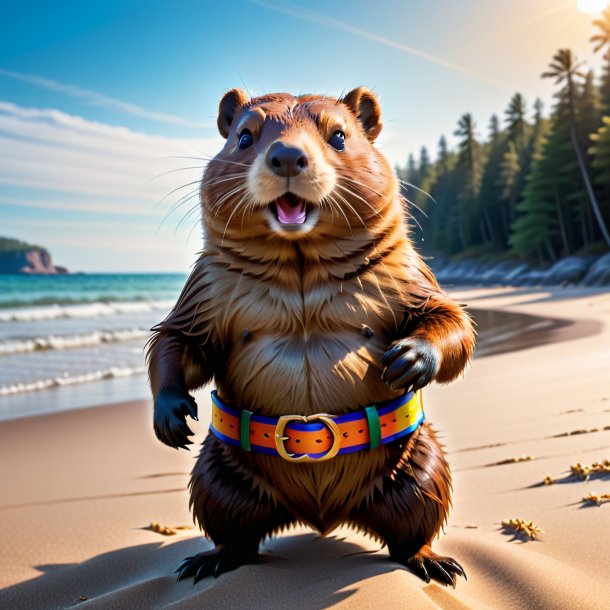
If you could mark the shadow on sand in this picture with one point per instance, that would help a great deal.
(327, 570)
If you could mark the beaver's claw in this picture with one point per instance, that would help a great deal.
(441, 569)
(171, 409)
(410, 363)
(216, 562)
(428, 565)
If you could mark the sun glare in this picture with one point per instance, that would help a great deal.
(592, 6)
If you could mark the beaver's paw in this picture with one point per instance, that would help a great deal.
(223, 558)
(171, 409)
(410, 363)
(427, 565)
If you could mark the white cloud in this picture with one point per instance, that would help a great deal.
(100, 99)
(100, 179)
(111, 168)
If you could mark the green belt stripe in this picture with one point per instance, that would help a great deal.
(374, 426)
(244, 430)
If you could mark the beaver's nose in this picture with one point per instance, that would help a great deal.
(284, 160)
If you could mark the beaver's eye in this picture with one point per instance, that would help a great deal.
(337, 140)
(245, 139)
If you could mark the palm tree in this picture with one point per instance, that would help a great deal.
(565, 69)
(601, 40)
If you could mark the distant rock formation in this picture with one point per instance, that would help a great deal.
(22, 258)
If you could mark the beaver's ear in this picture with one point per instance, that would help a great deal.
(231, 102)
(365, 105)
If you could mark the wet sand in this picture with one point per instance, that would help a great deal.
(80, 488)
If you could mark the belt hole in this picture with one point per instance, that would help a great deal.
(318, 440)
(345, 434)
(360, 431)
(383, 425)
(231, 426)
(394, 420)
(221, 419)
(298, 440)
(266, 435)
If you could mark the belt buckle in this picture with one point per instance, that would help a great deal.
(325, 418)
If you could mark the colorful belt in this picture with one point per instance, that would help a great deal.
(314, 438)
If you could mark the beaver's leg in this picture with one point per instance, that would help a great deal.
(233, 508)
(175, 366)
(411, 507)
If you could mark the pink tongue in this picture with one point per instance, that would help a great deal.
(289, 215)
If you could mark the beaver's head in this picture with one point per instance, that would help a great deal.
(297, 167)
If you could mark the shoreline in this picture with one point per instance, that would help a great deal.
(512, 331)
(82, 486)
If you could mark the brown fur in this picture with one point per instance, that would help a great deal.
(301, 301)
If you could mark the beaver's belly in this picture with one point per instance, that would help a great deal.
(330, 373)
(323, 494)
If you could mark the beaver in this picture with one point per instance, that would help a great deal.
(309, 306)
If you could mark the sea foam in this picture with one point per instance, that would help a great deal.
(67, 379)
(82, 310)
(41, 344)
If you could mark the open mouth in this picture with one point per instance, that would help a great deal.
(290, 209)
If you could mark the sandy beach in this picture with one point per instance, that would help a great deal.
(81, 488)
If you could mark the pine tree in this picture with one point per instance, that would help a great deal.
(424, 163)
(470, 166)
(494, 129)
(536, 229)
(516, 120)
(509, 173)
(412, 174)
(489, 196)
(441, 225)
(538, 108)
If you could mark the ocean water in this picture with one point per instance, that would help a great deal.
(78, 340)
(75, 341)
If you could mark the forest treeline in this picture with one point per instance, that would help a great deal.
(536, 187)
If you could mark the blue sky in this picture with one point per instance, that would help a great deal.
(98, 98)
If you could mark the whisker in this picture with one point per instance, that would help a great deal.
(173, 171)
(362, 184)
(239, 204)
(174, 191)
(210, 158)
(175, 206)
(351, 207)
(197, 224)
(218, 203)
(417, 189)
(194, 208)
(351, 192)
(232, 193)
(342, 212)
(416, 207)
(325, 201)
